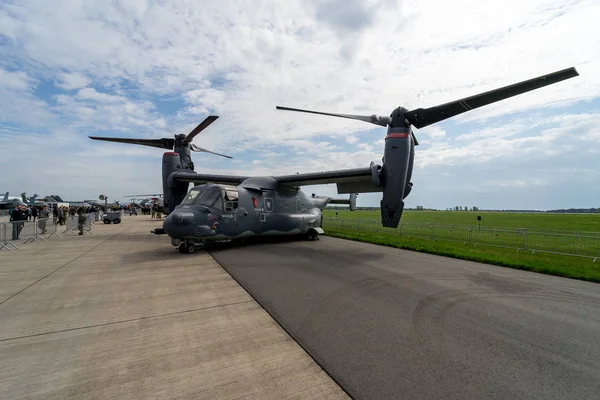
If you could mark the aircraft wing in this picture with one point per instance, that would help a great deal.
(206, 178)
(357, 180)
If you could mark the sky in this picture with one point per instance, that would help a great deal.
(152, 69)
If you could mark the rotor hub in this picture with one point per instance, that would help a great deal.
(179, 140)
(398, 119)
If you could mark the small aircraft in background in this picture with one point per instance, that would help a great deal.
(147, 200)
(9, 202)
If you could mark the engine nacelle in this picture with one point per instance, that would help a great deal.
(395, 174)
(174, 192)
(375, 174)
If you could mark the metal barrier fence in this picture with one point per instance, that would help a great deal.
(17, 233)
(569, 243)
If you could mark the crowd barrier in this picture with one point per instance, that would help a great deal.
(17, 233)
(584, 244)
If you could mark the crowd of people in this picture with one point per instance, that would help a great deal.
(153, 210)
(21, 214)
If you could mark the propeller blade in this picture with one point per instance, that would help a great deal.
(422, 117)
(200, 149)
(203, 125)
(164, 143)
(374, 119)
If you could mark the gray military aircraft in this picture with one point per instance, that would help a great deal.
(226, 207)
(8, 202)
(146, 200)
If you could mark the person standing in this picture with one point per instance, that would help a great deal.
(81, 219)
(18, 216)
(44, 215)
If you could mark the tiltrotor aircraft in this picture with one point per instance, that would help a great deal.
(224, 207)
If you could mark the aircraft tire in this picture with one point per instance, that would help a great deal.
(312, 235)
(183, 248)
(191, 248)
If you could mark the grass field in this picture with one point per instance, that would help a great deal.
(533, 221)
(410, 237)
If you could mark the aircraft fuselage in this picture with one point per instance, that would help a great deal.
(221, 212)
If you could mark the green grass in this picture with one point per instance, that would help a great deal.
(359, 225)
(533, 221)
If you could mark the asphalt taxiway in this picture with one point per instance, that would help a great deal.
(123, 315)
(392, 324)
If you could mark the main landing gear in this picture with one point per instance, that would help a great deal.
(312, 235)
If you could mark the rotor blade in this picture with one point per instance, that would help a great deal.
(164, 143)
(200, 149)
(422, 117)
(203, 125)
(374, 119)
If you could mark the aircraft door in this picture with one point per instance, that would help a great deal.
(231, 209)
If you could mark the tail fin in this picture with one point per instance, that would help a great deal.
(24, 197)
(351, 201)
(5, 196)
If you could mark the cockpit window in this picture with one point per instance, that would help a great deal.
(231, 199)
(190, 197)
(209, 197)
(231, 195)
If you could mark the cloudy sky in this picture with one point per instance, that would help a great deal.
(144, 68)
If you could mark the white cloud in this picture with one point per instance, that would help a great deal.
(434, 132)
(239, 59)
(73, 80)
(570, 134)
(18, 103)
(18, 81)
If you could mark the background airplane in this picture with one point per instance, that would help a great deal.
(147, 200)
(9, 202)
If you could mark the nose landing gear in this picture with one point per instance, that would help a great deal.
(187, 248)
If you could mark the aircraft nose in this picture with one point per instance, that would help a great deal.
(177, 219)
(182, 218)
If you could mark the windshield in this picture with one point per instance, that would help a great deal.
(210, 197)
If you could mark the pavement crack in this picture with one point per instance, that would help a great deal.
(127, 320)
(62, 266)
